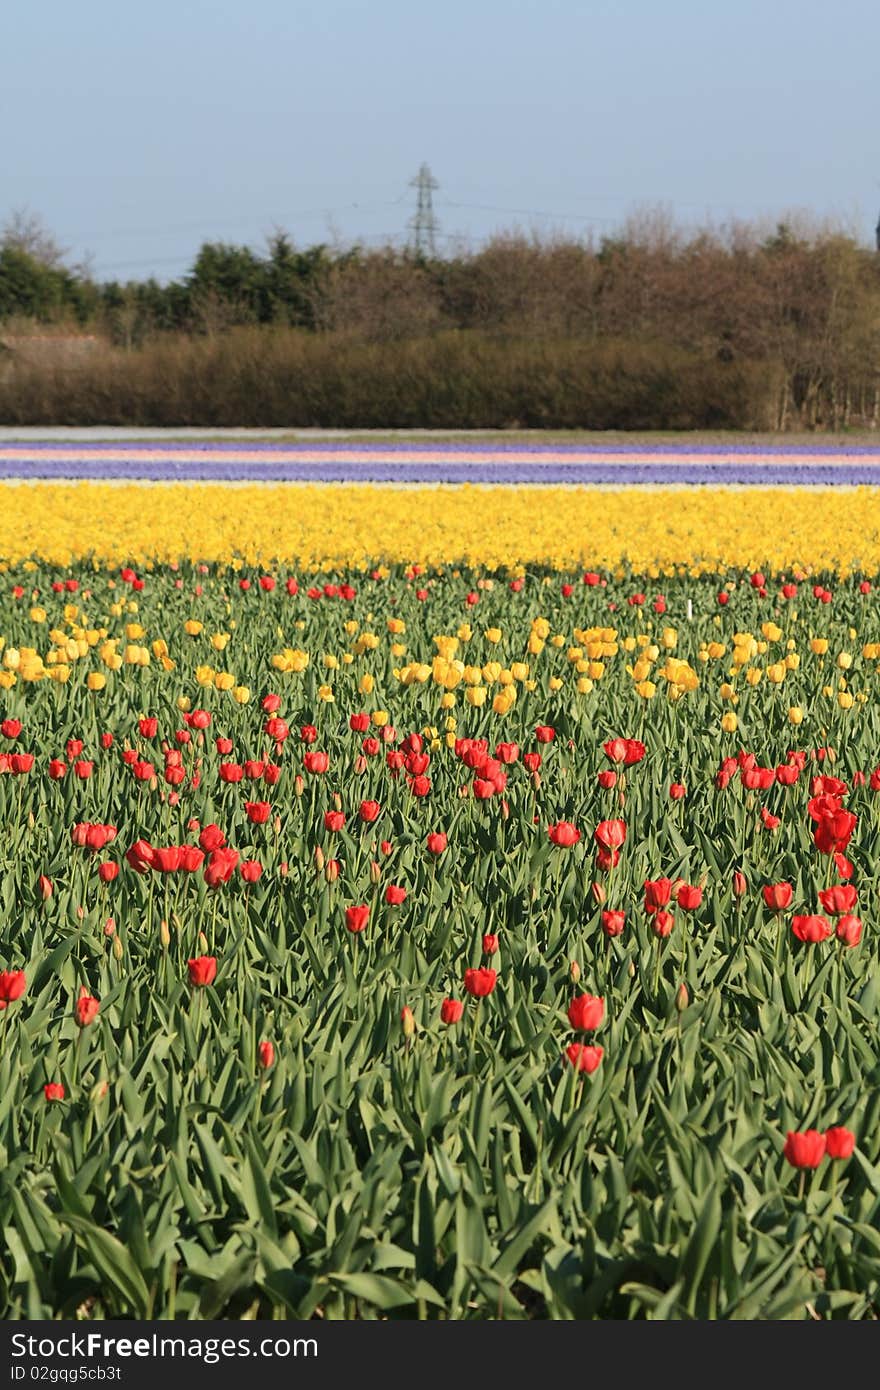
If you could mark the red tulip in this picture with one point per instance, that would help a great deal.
(677, 791)
(57, 769)
(108, 871)
(480, 982)
(266, 1055)
(804, 1150)
(20, 763)
(220, 866)
(333, 821)
(662, 923)
(395, 895)
(45, 887)
(544, 733)
(369, 811)
(54, 1090)
(657, 893)
(211, 837)
(451, 1010)
(10, 728)
(141, 857)
(610, 834)
(316, 762)
(532, 761)
(777, 896)
(359, 723)
(12, 986)
(257, 812)
(811, 928)
(615, 749)
(689, 897)
(436, 842)
(584, 1058)
(839, 1142)
(250, 870)
(849, 930)
(202, 971)
(585, 1012)
(490, 944)
(607, 779)
(86, 1009)
(356, 918)
(840, 898)
(564, 834)
(740, 885)
(167, 860)
(613, 922)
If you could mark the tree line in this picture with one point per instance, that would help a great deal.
(655, 327)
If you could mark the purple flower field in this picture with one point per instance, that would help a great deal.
(456, 463)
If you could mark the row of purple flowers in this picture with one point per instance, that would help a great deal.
(119, 464)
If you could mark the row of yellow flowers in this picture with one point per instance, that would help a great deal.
(658, 531)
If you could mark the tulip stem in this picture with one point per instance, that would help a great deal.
(474, 1029)
(803, 1179)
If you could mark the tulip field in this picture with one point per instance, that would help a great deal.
(474, 918)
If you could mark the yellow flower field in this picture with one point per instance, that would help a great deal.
(654, 530)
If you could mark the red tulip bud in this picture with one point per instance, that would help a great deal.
(598, 893)
(740, 886)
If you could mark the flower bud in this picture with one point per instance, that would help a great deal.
(598, 892)
(203, 943)
(536, 781)
(45, 887)
(117, 948)
(164, 934)
(331, 872)
(337, 801)
(319, 858)
(360, 764)
(682, 998)
(408, 1021)
(574, 971)
(298, 785)
(740, 885)
(375, 872)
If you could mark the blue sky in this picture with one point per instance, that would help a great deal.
(136, 132)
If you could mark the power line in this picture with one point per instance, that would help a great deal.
(425, 226)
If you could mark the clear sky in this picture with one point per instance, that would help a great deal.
(137, 131)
